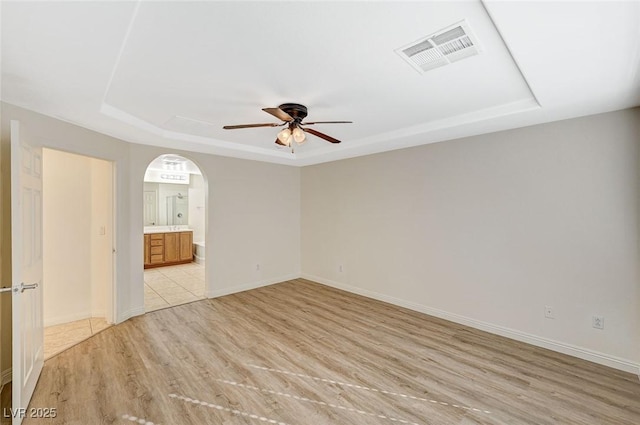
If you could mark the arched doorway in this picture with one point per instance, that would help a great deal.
(174, 214)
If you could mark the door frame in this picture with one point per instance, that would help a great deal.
(111, 309)
(208, 291)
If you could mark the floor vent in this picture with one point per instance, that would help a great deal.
(441, 48)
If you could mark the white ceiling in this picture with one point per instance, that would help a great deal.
(173, 73)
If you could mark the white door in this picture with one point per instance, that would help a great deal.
(26, 249)
(150, 208)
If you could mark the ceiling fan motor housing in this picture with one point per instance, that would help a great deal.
(296, 111)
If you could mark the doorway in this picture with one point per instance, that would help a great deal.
(174, 218)
(77, 248)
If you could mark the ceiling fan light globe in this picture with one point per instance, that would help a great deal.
(298, 135)
(284, 136)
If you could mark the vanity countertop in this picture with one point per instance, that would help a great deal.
(166, 229)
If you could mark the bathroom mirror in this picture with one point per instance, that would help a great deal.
(166, 204)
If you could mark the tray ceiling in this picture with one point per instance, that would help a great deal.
(173, 73)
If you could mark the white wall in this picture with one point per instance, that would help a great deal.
(488, 230)
(197, 207)
(101, 236)
(66, 223)
(77, 265)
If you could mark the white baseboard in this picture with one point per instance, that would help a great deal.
(248, 286)
(6, 377)
(52, 321)
(126, 315)
(98, 313)
(560, 347)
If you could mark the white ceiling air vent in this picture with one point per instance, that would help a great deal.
(441, 48)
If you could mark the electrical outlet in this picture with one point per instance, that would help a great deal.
(548, 312)
(598, 322)
(257, 267)
(340, 268)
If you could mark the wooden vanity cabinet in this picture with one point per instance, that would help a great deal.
(147, 250)
(171, 247)
(186, 246)
(156, 248)
(166, 249)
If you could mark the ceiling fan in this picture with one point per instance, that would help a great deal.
(292, 115)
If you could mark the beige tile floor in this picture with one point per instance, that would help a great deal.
(60, 337)
(173, 285)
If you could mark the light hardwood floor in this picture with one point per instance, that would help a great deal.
(302, 353)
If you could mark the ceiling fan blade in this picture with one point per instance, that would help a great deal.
(278, 142)
(233, 127)
(278, 113)
(327, 122)
(321, 135)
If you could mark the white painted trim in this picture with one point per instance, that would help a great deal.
(560, 347)
(73, 317)
(99, 313)
(248, 286)
(111, 304)
(126, 315)
(6, 377)
(279, 156)
(66, 319)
